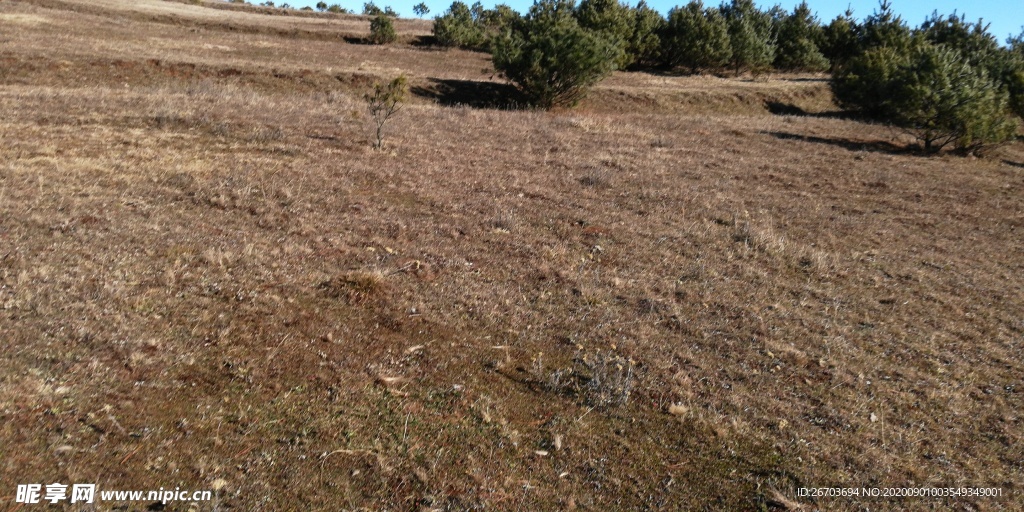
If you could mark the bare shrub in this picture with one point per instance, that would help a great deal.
(601, 379)
(384, 102)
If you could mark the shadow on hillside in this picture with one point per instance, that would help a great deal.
(470, 93)
(788, 109)
(818, 79)
(425, 42)
(357, 40)
(1013, 164)
(876, 146)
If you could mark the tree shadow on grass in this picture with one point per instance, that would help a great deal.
(788, 109)
(357, 40)
(874, 146)
(471, 93)
(1011, 163)
(429, 42)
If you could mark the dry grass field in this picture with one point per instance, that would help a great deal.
(689, 293)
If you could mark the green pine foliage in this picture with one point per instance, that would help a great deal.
(497, 21)
(550, 58)
(864, 83)
(751, 36)
(383, 102)
(473, 27)
(1014, 74)
(645, 45)
(382, 30)
(420, 9)
(972, 40)
(840, 40)
(613, 21)
(798, 36)
(696, 37)
(944, 100)
(1015, 89)
(884, 29)
(458, 27)
(930, 90)
(371, 9)
(1005, 66)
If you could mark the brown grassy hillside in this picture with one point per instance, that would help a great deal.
(669, 298)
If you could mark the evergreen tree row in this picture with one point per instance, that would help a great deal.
(736, 35)
(949, 82)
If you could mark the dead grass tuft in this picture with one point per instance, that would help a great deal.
(355, 286)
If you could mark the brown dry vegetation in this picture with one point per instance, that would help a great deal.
(206, 273)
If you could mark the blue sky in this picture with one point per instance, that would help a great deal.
(1006, 16)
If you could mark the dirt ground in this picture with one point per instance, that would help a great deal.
(688, 293)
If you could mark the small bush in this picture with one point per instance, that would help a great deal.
(383, 102)
(601, 379)
(371, 9)
(382, 30)
(355, 287)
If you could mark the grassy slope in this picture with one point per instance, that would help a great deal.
(205, 273)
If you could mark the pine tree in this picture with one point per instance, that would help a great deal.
(382, 30)
(420, 9)
(696, 38)
(550, 58)
(383, 102)
(495, 22)
(1014, 75)
(841, 39)
(611, 20)
(942, 99)
(750, 35)
(458, 27)
(864, 83)
(972, 40)
(648, 24)
(884, 29)
(798, 36)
